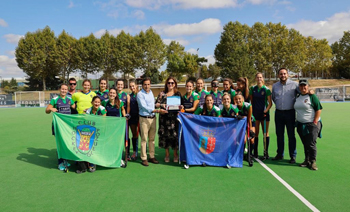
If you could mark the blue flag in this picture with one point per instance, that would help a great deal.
(214, 141)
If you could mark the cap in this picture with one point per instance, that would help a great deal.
(303, 82)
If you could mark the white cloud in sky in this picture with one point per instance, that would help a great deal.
(207, 26)
(211, 60)
(12, 38)
(139, 14)
(9, 68)
(3, 23)
(331, 28)
(183, 42)
(182, 4)
(192, 51)
(258, 2)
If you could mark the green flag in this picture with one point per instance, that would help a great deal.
(95, 139)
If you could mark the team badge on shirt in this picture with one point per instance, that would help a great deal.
(207, 142)
(105, 96)
(124, 97)
(306, 100)
(262, 92)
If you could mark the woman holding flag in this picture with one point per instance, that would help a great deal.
(125, 98)
(245, 109)
(260, 97)
(98, 110)
(61, 104)
(113, 105)
(208, 109)
(191, 99)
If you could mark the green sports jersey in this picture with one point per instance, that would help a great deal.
(215, 111)
(83, 100)
(100, 111)
(231, 92)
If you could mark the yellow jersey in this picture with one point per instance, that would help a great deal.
(83, 100)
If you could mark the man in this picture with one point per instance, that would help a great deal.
(71, 91)
(145, 100)
(283, 95)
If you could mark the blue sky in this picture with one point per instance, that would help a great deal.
(193, 23)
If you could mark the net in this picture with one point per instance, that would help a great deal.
(30, 99)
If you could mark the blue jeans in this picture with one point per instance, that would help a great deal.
(285, 119)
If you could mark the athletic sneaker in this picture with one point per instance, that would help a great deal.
(92, 167)
(313, 166)
(61, 166)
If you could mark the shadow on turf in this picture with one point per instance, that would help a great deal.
(41, 157)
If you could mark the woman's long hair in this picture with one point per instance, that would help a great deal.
(166, 83)
(136, 88)
(116, 99)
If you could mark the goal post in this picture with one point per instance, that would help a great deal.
(334, 93)
(30, 99)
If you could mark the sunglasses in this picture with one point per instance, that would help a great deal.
(171, 83)
(72, 83)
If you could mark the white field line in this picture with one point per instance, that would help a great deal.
(307, 203)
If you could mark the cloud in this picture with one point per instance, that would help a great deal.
(207, 26)
(192, 51)
(9, 68)
(12, 38)
(3, 23)
(258, 2)
(211, 60)
(181, 4)
(331, 28)
(139, 14)
(183, 42)
(71, 4)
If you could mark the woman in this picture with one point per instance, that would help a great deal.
(217, 95)
(84, 97)
(260, 97)
(208, 109)
(245, 110)
(61, 104)
(168, 125)
(125, 98)
(97, 110)
(113, 105)
(229, 110)
(191, 99)
(227, 83)
(200, 91)
(308, 115)
(102, 91)
(134, 118)
(242, 87)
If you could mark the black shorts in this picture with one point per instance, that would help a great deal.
(260, 116)
(134, 120)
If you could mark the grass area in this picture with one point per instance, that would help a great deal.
(30, 179)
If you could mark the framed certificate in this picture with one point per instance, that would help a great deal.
(173, 103)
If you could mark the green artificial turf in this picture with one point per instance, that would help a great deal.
(30, 180)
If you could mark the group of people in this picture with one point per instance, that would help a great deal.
(296, 106)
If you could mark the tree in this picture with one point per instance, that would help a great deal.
(319, 56)
(296, 57)
(341, 56)
(204, 72)
(88, 60)
(214, 71)
(33, 84)
(175, 57)
(66, 51)
(232, 52)
(126, 52)
(260, 48)
(107, 54)
(13, 82)
(152, 51)
(278, 35)
(36, 55)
